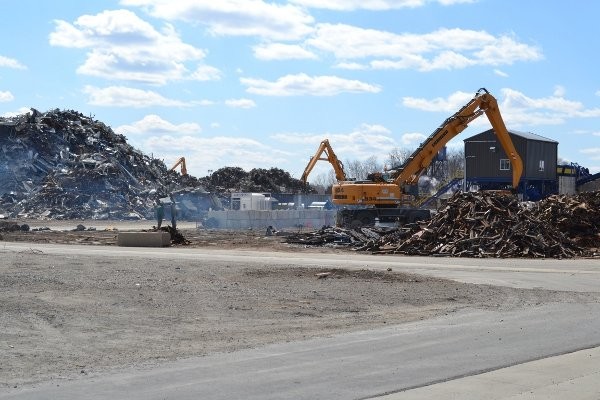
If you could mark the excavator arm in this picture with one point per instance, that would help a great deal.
(325, 149)
(483, 102)
(179, 162)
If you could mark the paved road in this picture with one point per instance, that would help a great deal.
(362, 364)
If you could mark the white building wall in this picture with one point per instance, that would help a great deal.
(566, 185)
(279, 219)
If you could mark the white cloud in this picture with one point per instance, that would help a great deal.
(11, 63)
(350, 5)
(593, 153)
(455, 145)
(240, 103)
(500, 73)
(363, 142)
(448, 105)
(559, 91)
(120, 96)
(122, 46)
(505, 50)
(153, 124)
(304, 85)
(351, 66)
(411, 139)
(279, 51)
(204, 103)
(556, 106)
(374, 5)
(452, 2)
(234, 17)
(206, 73)
(516, 108)
(6, 97)
(20, 111)
(579, 132)
(211, 153)
(440, 49)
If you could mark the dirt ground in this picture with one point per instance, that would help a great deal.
(106, 232)
(67, 316)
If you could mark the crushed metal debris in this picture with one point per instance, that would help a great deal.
(65, 165)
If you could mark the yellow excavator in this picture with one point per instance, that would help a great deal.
(325, 153)
(384, 195)
(179, 162)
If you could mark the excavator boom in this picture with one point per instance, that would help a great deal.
(483, 102)
(325, 149)
(179, 162)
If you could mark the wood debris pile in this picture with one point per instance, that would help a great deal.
(485, 224)
(576, 216)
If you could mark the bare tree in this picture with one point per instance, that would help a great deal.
(397, 157)
(371, 165)
(360, 170)
(354, 169)
(456, 163)
(323, 182)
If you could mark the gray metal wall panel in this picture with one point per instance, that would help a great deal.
(481, 162)
(536, 152)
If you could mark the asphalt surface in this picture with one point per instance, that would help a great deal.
(363, 364)
(354, 366)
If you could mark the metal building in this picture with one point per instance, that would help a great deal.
(487, 167)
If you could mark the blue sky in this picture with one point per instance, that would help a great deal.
(258, 84)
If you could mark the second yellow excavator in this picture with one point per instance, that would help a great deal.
(179, 162)
(385, 195)
(325, 153)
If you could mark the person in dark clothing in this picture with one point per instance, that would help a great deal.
(160, 213)
(173, 213)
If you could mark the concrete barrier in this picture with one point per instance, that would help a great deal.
(143, 239)
(278, 219)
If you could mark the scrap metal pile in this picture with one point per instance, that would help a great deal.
(64, 165)
(235, 179)
(484, 224)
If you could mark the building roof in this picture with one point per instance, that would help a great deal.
(532, 136)
(524, 135)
